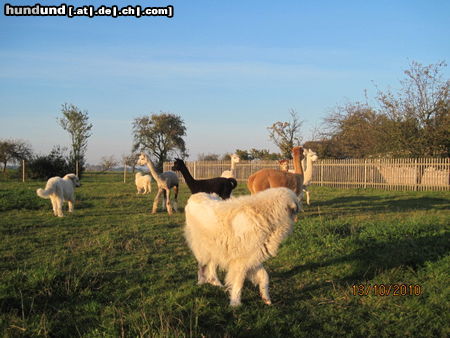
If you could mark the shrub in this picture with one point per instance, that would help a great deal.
(53, 164)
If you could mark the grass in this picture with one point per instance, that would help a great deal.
(113, 269)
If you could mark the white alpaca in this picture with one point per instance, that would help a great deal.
(59, 190)
(143, 183)
(238, 235)
(310, 156)
(231, 173)
(165, 181)
(307, 164)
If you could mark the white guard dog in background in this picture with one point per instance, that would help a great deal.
(143, 183)
(238, 235)
(59, 190)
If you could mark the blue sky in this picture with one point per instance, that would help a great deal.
(229, 68)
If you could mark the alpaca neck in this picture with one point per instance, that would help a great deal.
(186, 174)
(153, 171)
(298, 165)
(309, 170)
(304, 164)
(233, 165)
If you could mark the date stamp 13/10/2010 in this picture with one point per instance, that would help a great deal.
(387, 289)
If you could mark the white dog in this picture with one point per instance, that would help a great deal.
(238, 235)
(59, 190)
(143, 183)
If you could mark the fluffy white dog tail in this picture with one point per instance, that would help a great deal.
(45, 193)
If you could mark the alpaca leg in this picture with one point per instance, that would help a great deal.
(168, 205)
(175, 198)
(300, 198)
(259, 276)
(155, 202)
(163, 201)
(235, 281)
(307, 196)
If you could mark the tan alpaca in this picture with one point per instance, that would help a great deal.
(165, 181)
(273, 178)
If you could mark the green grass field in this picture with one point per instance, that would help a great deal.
(113, 269)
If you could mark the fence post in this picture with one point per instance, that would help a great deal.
(124, 173)
(365, 174)
(195, 169)
(417, 174)
(76, 168)
(23, 170)
(321, 174)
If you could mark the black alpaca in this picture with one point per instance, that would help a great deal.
(220, 185)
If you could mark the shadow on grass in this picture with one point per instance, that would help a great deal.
(352, 204)
(370, 260)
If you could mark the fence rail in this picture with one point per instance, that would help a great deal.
(388, 174)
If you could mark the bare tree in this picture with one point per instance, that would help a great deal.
(286, 135)
(130, 160)
(107, 163)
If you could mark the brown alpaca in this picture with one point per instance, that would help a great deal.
(284, 165)
(271, 178)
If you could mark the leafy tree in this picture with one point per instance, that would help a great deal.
(76, 123)
(286, 135)
(226, 157)
(263, 154)
(13, 151)
(419, 112)
(243, 155)
(160, 134)
(355, 130)
(257, 154)
(413, 122)
(324, 148)
(208, 157)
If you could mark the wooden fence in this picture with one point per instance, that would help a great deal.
(388, 174)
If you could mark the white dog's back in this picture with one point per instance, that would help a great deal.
(248, 222)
